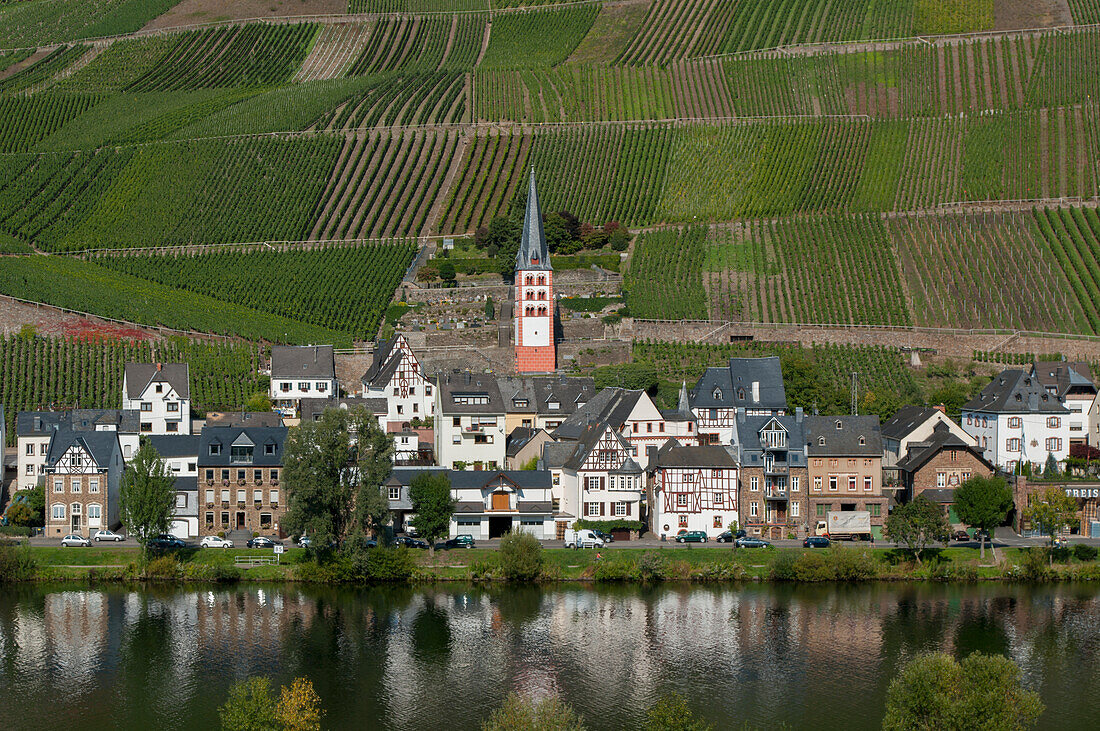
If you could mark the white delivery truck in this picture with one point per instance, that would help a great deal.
(845, 525)
(583, 538)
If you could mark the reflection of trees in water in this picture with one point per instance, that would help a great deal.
(431, 634)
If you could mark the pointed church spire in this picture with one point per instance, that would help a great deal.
(532, 253)
(683, 406)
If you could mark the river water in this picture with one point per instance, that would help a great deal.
(443, 657)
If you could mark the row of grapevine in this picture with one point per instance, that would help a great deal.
(26, 24)
(421, 43)
(247, 55)
(475, 197)
(392, 99)
(45, 69)
(663, 280)
(45, 373)
(675, 29)
(337, 287)
(536, 39)
(86, 287)
(27, 120)
(1072, 238)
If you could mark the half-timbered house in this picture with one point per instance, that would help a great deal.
(602, 480)
(396, 375)
(753, 386)
(693, 489)
(82, 476)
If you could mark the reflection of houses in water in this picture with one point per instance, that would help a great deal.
(74, 630)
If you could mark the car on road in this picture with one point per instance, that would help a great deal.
(730, 536)
(409, 542)
(815, 542)
(960, 535)
(166, 542)
(73, 539)
(263, 542)
(305, 542)
(604, 536)
(751, 542)
(692, 536)
(464, 540)
(107, 535)
(410, 530)
(215, 542)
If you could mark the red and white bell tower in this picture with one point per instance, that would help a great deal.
(534, 308)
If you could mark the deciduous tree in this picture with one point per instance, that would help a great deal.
(251, 706)
(147, 498)
(299, 707)
(430, 494)
(917, 524)
(983, 502)
(671, 713)
(1051, 511)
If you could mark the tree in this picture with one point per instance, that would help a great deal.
(671, 713)
(334, 469)
(147, 497)
(1051, 511)
(556, 232)
(983, 502)
(258, 401)
(917, 524)
(430, 494)
(250, 707)
(36, 501)
(447, 271)
(299, 707)
(521, 714)
(983, 691)
(520, 556)
(619, 238)
(1051, 467)
(20, 514)
(490, 309)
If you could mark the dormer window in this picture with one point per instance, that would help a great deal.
(821, 441)
(269, 449)
(554, 405)
(717, 394)
(839, 425)
(741, 394)
(519, 403)
(1019, 397)
(215, 449)
(862, 441)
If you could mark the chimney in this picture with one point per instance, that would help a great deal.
(798, 414)
(941, 408)
(160, 366)
(756, 392)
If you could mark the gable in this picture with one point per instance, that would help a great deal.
(645, 410)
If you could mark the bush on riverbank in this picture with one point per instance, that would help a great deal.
(368, 565)
(834, 564)
(520, 557)
(16, 563)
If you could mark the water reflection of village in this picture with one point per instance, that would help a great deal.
(439, 657)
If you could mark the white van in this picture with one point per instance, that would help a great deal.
(583, 538)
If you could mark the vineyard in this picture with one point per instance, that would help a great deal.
(38, 373)
(357, 282)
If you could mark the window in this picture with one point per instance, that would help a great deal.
(395, 492)
(225, 475)
(683, 521)
(592, 483)
(76, 484)
(456, 439)
(146, 427)
(941, 479)
(718, 521)
(661, 427)
(30, 450)
(30, 469)
(240, 475)
(210, 475)
(719, 498)
(146, 405)
(620, 509)
(173, 407)
(274, 494)
(303, 386)
(820, 510)
(215, 449)
(832, 483)
(1014, 422)
(862, 441)
(795, 509)
(754, 509)
(225, 496)
(649, 427)
(592, 509)
(95, 511)
(242, 453)
(817, 484)
(274, 475)
(209, 496)
(754, 483)
(681, 500)
(985, 422)
(285, 388)
(44, 449)
(257, 496)
(851, 483)
(209, 520)
(57, 512)
(965, 476)
(1054, 444)
(181, 500)
(159, 388)
(794, 483)
(969, 419)
(257, 475)
(269, 449)
(1013, 445)
(876, 510)
(867, 483)
(59, 485)
(1053, 422)
(225, 518)
(821, 441)
(322, 386)
(240, 496)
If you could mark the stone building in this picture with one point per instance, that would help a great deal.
(239, 470)
(844, 454)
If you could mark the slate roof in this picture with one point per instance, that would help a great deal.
(175, 445)
(1064, 377)
(556, 454)
(920, 452)
(101, 445)
(474, 384)
(749, 427)
(302, 361)
(515, 389)
(30, 423)
(845, 440)
(310, 409)
(140, 375)
(474, 479)
(226, 436)
(243, 418)
(568, 392)
(1015, 391)
(731, 387)
(518, 439)
(533, 253)
(906, 420)
(940, 494)
(588, 441)
(611, 405)
(711, 456)
(188, 484)
(379, 361)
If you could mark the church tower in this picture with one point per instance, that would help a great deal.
(534, 308)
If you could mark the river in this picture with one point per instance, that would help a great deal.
(443, 657)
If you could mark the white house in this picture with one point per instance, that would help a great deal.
(1073, 383)
(1015, 419)
(181, 455)
(161, 394)
(601, 480)
(34, 429)
(469, 429)
(83, 472)
(298, 372)
(395, 374)
(694, 489)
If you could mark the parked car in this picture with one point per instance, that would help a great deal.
(107, 535)
(215, 542)
(583, 538)
(460, 541)
(166, 542)
(815, 542)
(263, 542)
(410, 530)
(692, 536)
(305, 542)
(409, 542)
(730, 536)
(751, 542)
(960, 535)
(604, 536)
(74, 540)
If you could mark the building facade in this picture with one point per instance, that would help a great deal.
(1015, 419)
(1072, 382)
(844, 467)
(35, 429)
(753, 386)
(161, 394)
(298, 372)
(771, 452)
(534, 293)
(83, 475)
(396, 375)
(601, 480)
(693, 489)
(936, 466)
(239, 470)
(469, 431)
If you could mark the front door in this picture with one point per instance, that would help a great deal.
(240, 520)
(500, 500)
(76, 524)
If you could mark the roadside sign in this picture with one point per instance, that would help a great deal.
(278, 549)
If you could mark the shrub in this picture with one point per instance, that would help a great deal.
(210, 572)
(162, 568)
(1060, 554)
(482, 569)
(19, 531)
(1033, 564)
(719, 571)
(520, 556)
(813, 566)
(945, 571)
(1084, 553)
(16, 563)
(783, 567)
(1086, 572)
(523, 714)
(652, 567)
(614, 570)
(852, 564)
(383, 564)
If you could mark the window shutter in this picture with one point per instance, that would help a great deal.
(602, 506)
(602, 479)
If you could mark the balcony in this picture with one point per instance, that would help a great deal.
(473, 429)
(775, 493)
(776, 468)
